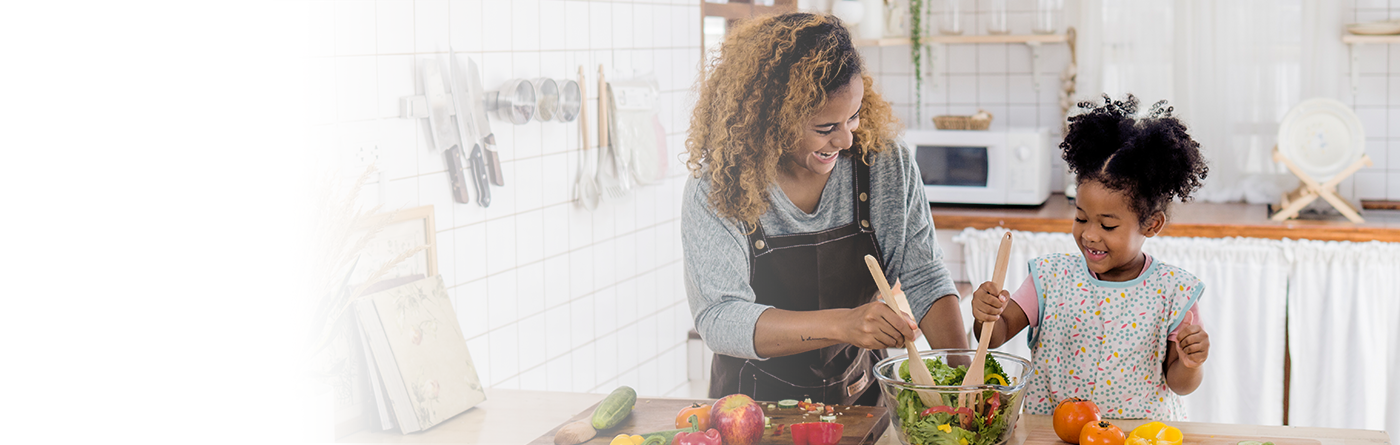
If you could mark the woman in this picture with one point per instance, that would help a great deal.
(796, 177)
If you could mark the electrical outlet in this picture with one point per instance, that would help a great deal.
(366, 155)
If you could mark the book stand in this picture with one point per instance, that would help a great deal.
(1310, 190)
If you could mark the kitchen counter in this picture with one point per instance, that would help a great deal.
(1194, 219)
(518, 417)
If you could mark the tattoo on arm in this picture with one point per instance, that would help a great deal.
(806, 338)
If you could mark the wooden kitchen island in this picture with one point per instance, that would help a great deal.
(1193, 219)
(514, 417)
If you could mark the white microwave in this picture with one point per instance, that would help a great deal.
(1010, 167)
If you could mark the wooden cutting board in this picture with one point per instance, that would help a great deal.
(652, 415)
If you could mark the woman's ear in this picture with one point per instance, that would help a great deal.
(1154, 224)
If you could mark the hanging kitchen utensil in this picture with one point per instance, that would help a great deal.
(482, 159)
(917, 369)
(976, 372)
(611, 178)
(586, 188)
(491, 160)
(446, 132)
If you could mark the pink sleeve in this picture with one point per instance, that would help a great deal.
(1195, 317)
(1025, 298)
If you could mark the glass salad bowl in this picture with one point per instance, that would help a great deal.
(992, 409)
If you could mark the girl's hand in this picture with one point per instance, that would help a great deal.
(875, 326)
(1192, 343)
(987, 306)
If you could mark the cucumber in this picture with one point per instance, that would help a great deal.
(614, 408)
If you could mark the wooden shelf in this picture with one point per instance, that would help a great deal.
(1009, 38)
(1352, 38)
(1195, 219)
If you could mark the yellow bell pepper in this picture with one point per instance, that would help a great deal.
(1154, 433)
(623, 439)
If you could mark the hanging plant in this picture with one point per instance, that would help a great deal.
(916, 29)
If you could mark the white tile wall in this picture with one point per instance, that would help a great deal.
(996, 77)
(1377, 103)
(549, 296)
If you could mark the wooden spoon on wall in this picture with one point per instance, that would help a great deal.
(917, 369)
(976, 371)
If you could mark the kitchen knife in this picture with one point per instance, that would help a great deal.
(466, 126)
(483, 125)
(444, 137)
(483, 183)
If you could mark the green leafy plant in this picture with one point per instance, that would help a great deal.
(916, 29)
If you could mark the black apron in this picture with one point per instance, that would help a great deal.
(787, 272)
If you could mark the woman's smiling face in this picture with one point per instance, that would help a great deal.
(1108, 233)
(830, 130)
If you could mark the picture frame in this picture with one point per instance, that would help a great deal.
(404, 230)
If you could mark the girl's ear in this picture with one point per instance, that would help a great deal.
(1154, 224)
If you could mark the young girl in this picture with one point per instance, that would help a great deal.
(1112, 325)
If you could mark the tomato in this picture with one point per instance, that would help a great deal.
(1070, 417)
(700, 411)
(1101, 433)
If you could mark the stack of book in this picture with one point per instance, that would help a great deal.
(419, 367)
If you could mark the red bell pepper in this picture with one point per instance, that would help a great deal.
(992, 406)
(946, 409)
(816, 433)
(709, 437)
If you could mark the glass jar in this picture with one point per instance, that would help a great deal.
(951, 13)
(996, 16)
(1047, 16)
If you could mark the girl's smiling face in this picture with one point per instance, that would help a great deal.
(1108, 233)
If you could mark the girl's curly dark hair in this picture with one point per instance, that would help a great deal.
(1150, 158)
(771, 74)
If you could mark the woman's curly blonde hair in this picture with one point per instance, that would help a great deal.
(771, 75)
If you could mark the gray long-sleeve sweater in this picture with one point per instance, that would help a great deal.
(717, 255)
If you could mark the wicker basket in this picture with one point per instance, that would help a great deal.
(979, 121)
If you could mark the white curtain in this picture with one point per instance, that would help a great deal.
(1231, 68)
(1344, 326)
(1243, 310)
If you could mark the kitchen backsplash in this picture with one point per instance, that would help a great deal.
(1377, 103)
(550, 296)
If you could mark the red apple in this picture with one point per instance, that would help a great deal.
(738, 418)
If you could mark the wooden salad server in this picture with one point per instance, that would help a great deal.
(976, 371)
(917, 369)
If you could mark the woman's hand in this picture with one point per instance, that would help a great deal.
(987, 306)
(875, 326)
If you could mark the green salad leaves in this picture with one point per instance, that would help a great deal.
(923, 425)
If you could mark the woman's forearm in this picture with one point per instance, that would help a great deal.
(782, 332)
(942, 324)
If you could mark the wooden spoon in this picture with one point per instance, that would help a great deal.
(917, 369)
(975, 374)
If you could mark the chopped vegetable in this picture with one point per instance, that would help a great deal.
(709, 437)
(817, 433)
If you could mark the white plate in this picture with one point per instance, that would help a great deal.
(1322, 136)
(1375, 28)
